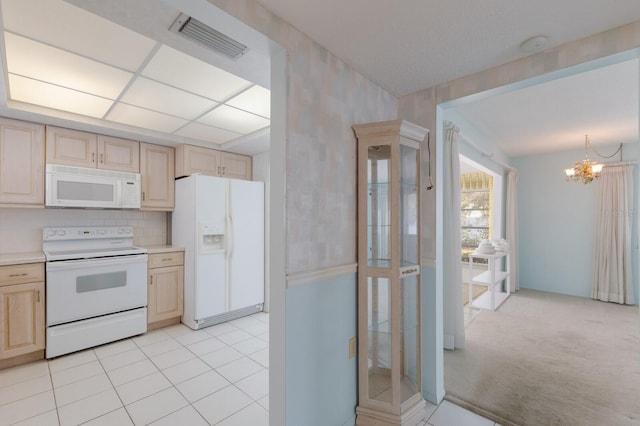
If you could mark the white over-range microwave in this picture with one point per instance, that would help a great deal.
(68, 186)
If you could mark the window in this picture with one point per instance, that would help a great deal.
(476, 201)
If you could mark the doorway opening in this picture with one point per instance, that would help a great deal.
(480, 219)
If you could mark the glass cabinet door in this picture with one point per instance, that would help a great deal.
(409, 206)
(379, 339)
(409, 337)
(379, 208)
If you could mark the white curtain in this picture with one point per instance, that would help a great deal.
(612, 254)
(453, 309)
(512, 228)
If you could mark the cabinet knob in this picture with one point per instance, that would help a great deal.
(93, 157)
(101, 158)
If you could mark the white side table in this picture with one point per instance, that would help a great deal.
(492, 278)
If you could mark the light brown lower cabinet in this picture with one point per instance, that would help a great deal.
(165, 289)
(22, 301)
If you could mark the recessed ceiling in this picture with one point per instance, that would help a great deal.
(64, 58)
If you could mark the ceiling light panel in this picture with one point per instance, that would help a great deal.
(256, 100)
(140, 117)
(41, 62)
(74, 29)
(206, 133)
(48, 95)
(188, 73)
(166, 99)
(235, 120)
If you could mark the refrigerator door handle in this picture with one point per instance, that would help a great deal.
(229, 237)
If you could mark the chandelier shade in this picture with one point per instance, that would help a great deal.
(585, 170)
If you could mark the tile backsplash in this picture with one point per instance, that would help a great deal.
(21, 229)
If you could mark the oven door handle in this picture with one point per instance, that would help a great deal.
(95, 262)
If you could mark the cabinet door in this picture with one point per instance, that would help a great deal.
(21, 163)
(21, 319)
(165, 293)
(235, 166)
(118, 154)
(157, 176)
(194, 159)
(71, 147)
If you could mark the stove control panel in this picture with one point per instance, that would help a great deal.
(85, 233)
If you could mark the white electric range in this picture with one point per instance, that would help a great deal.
(96, 283)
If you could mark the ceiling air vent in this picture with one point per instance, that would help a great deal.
(201, 32)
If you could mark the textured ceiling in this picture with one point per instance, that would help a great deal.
(409, 45)
(415, 44)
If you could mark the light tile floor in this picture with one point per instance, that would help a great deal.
(173, 376)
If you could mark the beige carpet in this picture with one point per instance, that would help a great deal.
(547, 359)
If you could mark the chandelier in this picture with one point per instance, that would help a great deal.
(586, 170)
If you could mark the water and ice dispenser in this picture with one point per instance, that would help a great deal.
(211, 237)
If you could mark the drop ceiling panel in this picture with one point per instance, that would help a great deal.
(166, 99)
(48, 95)
(256, 100)
(207, 133)
(188, 73)
(140, 117)
(60, 24)
(62, 68)
(75, 56)
(233, 119)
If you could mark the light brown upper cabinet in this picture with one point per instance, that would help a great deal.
(195, 159)
(84, 149)
(235, 166)
(118, 154)
(157, 177)
(192, 159)
(21, 164)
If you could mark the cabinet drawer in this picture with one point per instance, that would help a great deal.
(19, 274)
(159, 260)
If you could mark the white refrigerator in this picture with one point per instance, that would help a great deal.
(220, 224)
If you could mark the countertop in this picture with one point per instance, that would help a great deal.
(162, 249)
(38, 256)
(21, 258)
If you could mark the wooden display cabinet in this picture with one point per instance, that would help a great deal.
(389, 375)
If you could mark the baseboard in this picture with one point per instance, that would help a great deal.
(163, 323)
(21, 359)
